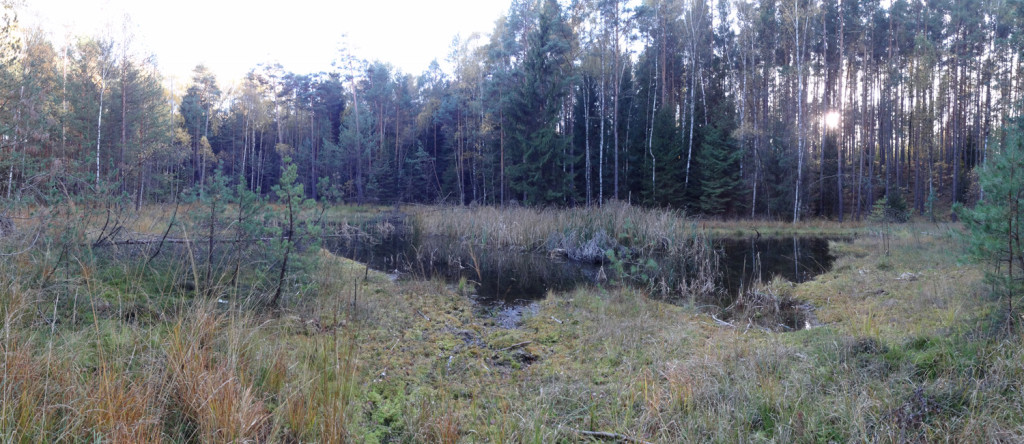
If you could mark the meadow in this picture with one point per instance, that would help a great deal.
(109, 341)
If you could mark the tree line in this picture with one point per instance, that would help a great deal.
(713, 106)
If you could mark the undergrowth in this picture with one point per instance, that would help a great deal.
(97, 347)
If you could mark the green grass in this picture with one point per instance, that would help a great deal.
(910, 349)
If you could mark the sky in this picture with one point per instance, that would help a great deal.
(232, 36)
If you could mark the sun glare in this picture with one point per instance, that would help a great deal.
(832, 120)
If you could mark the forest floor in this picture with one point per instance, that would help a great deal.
(908, 347)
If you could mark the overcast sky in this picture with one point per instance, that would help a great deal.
(232, 36)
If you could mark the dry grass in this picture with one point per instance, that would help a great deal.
(545, 229)
(208, 390)
(348, 359)
(920, 287)
(808, 227)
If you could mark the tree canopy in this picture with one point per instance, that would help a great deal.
(716, 107)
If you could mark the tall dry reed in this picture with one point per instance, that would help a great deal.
(538, 229)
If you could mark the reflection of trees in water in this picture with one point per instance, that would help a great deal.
(499, 275)
(796, 259)
(508, 276)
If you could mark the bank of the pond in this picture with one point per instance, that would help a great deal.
(909, 348)
(807, 227)
(613, 360)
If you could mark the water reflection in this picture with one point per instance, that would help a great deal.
(796, 258)
(505, 277)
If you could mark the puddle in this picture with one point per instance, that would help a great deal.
(506, 283)
(509, 315)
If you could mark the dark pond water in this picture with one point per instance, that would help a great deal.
(797, 259)
(499, 279)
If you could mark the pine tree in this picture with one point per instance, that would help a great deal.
(197, 109)
(995, 231)
(293, 224)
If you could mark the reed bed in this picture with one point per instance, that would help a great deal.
(615, 224)
(616, 234)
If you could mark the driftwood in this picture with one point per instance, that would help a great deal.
(174, 240)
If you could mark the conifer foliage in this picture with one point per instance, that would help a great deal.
(712, 106)
(995, 230)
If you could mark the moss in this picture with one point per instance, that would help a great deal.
(447, 342)
(386, 408)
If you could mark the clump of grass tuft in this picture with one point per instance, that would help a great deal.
(122, 409)
(209, 391)
(22, 395)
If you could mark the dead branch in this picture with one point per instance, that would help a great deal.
(722, 323)
(170, 224)
(608, 435)
(516, 345)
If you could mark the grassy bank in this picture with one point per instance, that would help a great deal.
(809, 227)
(909, 350)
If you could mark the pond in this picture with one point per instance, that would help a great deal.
(506, 281)
(795, 258)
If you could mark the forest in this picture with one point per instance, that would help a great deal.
(715, 107)
(604, 221)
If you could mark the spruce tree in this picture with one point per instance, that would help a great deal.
(542, 79)
(664, 158)
(720, 176)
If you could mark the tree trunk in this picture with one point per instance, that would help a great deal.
(99, 125)
(287, 252)
(124, 125)
(650, 139)
(693, 101)
(586, 140)
(359, 148)
(799, 114)
(604, 114)
(617, 78)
